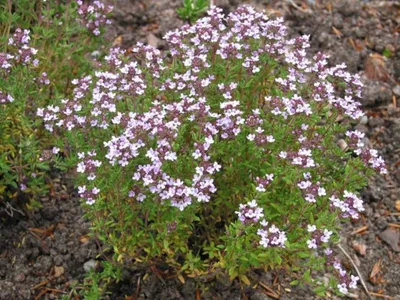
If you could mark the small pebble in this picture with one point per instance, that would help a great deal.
(95, 54)
(381, 223)
(342, 144)
(396, 90)
(364, 120)
(20, 277)
(392, 238)
(152, 40)
(90, 264)
(58, 260)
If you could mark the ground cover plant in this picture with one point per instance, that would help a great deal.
(43, 46)
(221, 157)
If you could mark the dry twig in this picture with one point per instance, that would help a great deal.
(357, 270)
(291, 2)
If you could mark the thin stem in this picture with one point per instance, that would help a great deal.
(357, 270)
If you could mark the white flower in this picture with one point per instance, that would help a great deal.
(251, 137)
(141, 197)
(321, 191)
(310, 198)
(312, 244)
(81, 167)
(90, 201)
(297, 161)
(327, 235)
(353, 283)
(170, 156)
(260, 188)
(304, 184)
(196, 154)
(259, 130)
(305, 152)
(342, 288)
(311, 228)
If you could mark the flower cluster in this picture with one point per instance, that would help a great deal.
(350, 206)
(105, 90)
(19, 51)
(250, 212)
(318, 236)
(66, 117)
(263, 182)
(371, 157)
(6, 61)
(48, 114)
(94, 16)
(44, 79)
(88, 166)
(324, 89)
(346, 281)
(5, 98)
(311, 190)
(368, 156)
(22, 53)
(271, 236)
(89, 195)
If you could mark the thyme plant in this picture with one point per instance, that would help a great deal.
(220, 155)
(43, 45)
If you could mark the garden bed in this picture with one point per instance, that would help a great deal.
(44, 255)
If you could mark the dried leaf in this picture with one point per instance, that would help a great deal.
(360, 248)
(244, 279)
(375, 68)
(270, 292)
(398, 205)
(58, 271)
(375, 277)
(360, 230)
(84, 239)
(157, 273)
(118, 41)
(337, 32)
(181, 279)
(43, 231)
(329, 6)
(357, 45)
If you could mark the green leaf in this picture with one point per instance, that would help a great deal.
(294, 282)
(320, 291)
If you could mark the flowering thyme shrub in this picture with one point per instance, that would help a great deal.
(223, 156)
(43, 46)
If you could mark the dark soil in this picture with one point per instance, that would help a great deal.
(45, 250)
(42, 256)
